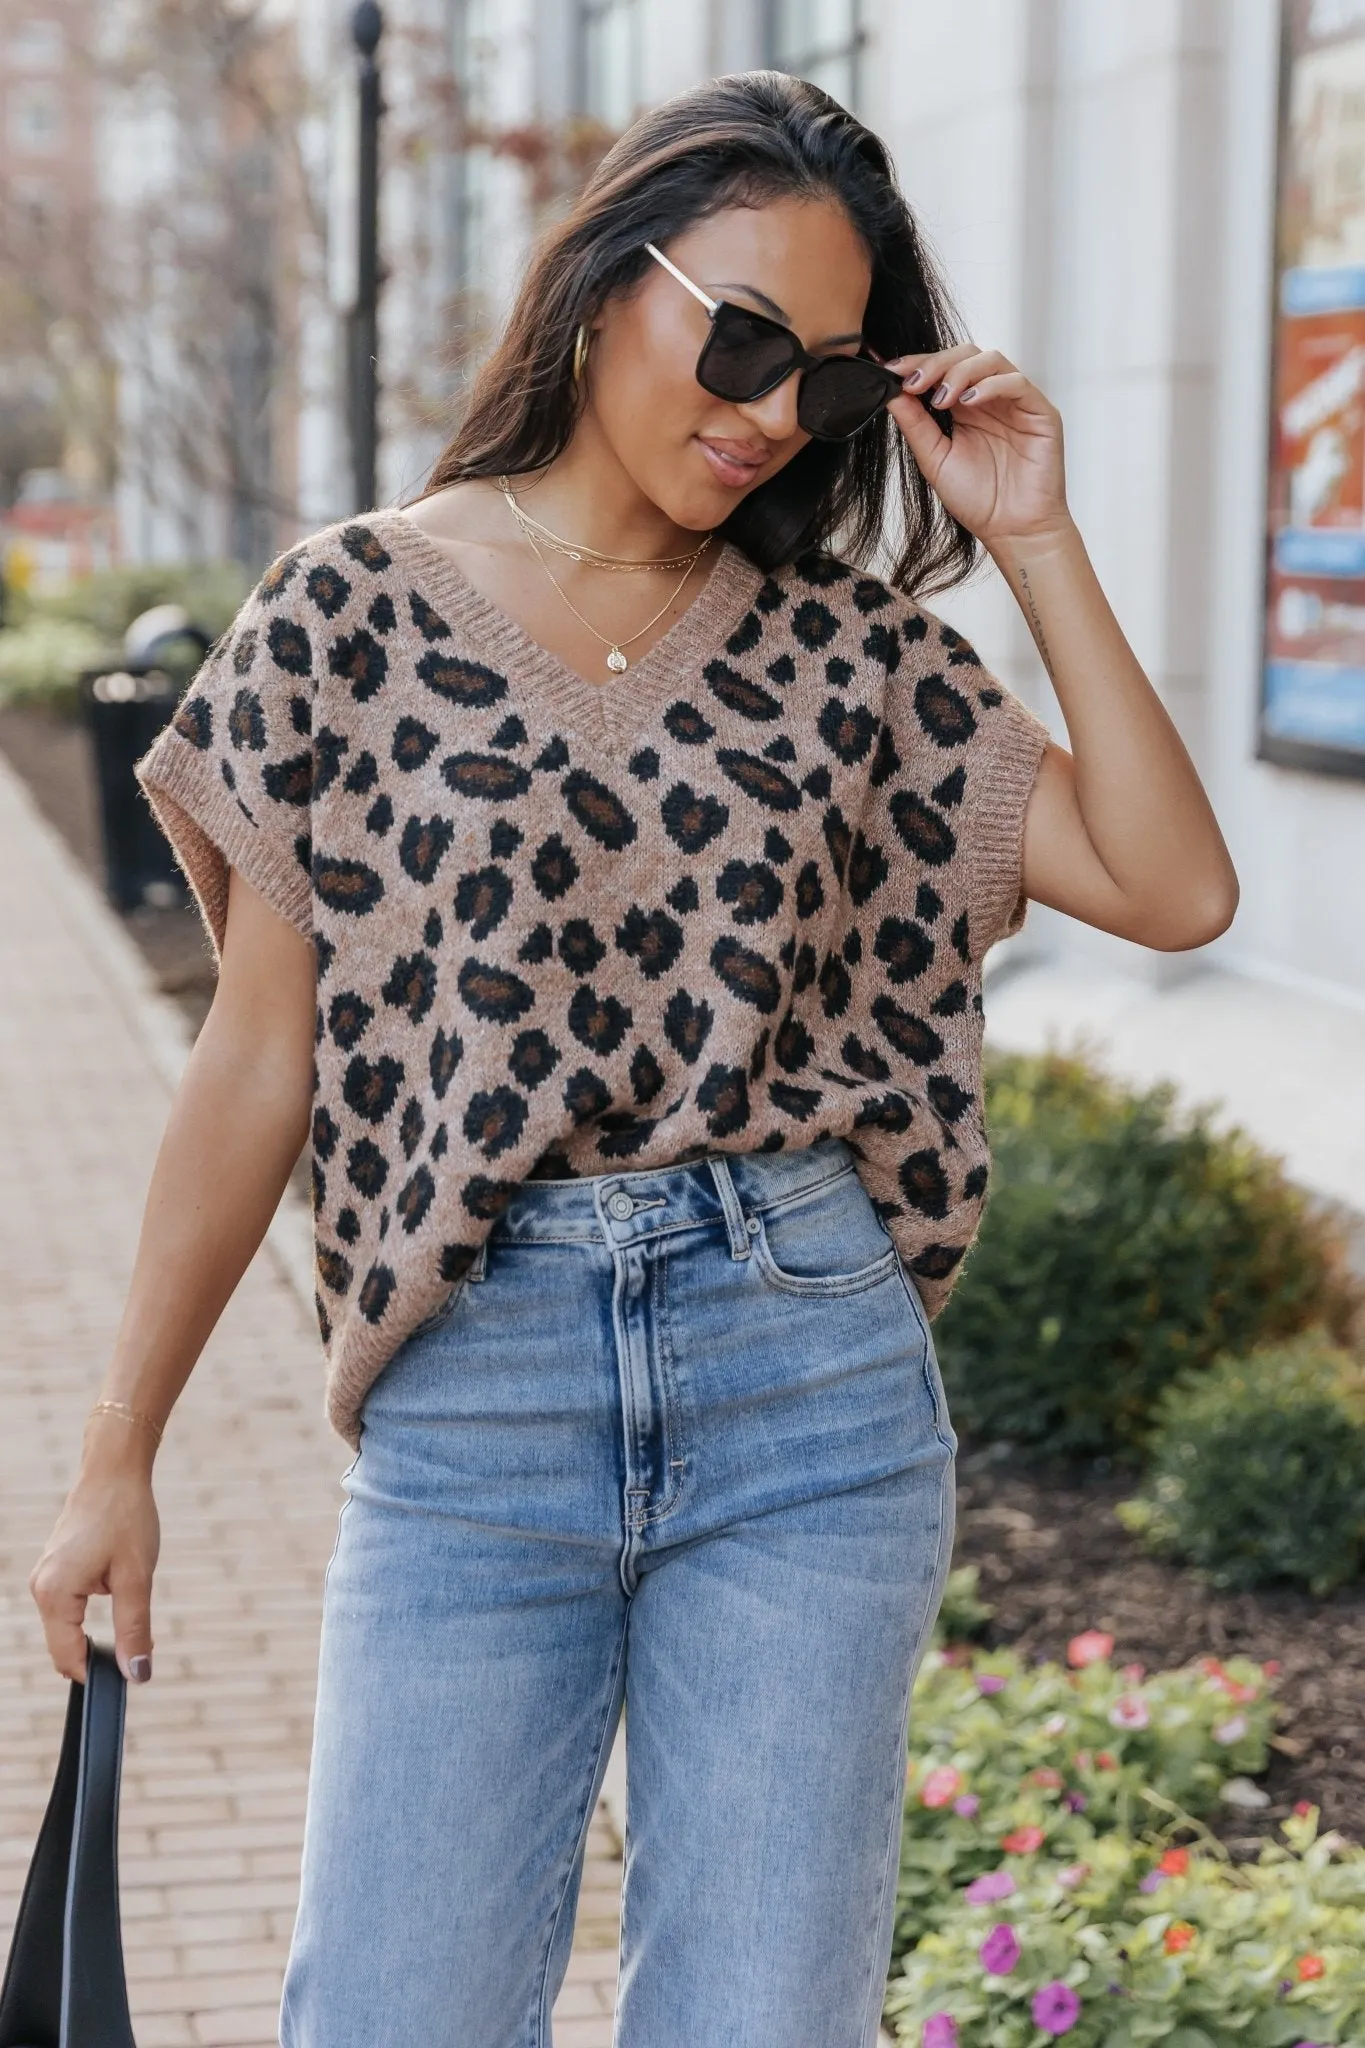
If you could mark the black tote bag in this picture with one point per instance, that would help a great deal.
(64, 1985)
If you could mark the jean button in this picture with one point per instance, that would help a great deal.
(620, 1205)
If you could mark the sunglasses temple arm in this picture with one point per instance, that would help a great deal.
(695, 289)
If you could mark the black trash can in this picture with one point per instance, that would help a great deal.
(125, 709)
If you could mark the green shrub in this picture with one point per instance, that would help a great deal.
(1117, 1951)
(110, 600)
(1258, 1470)
(41, 661)
(1123, 1244)
(962, 1614)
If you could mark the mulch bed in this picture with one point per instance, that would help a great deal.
(1053, 1559)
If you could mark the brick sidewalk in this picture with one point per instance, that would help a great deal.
(217, 1749)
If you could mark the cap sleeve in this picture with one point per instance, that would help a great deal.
(230, 778)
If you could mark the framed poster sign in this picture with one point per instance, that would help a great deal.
(1312, 712)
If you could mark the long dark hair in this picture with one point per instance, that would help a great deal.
(738, 140)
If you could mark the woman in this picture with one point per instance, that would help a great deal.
(603, 866)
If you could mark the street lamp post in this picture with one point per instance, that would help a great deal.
(367, 25)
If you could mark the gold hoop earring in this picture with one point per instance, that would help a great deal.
(580, 352)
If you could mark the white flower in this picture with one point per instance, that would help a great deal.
(1232, 1730)
(1241, 1792)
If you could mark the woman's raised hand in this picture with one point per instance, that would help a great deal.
(1001, 471)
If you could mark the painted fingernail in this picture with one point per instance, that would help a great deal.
(940, 396)
(139, 1669)
(968, 394)
(915, 378)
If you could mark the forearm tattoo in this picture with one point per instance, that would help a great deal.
(1035, 623)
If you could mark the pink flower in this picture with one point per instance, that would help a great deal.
(1046, 1776)
(966, 1804)
(1000, 1951)
(1072, 1875)
(989, 1681)
(942, 1784)
(1091, 1646)
(1231, 1730)
(990, 1886)
(1056, 2008)
(1133, 1673)
(939, 2031)
(1075, 1802)
(1055, 1724)
(1129, 1711)
(1023, 1841)
(1152, 1882)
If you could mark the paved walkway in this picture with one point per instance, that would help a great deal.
(217, 1749)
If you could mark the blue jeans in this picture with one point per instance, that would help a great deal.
(678, 1441)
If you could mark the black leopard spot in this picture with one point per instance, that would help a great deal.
(759, 779)
(334, 1269)
(800, 1103)
(793, 1044)
(328, 589)
(538, 945)
(883, 645)
(511, 733)
(928, 903)
(651, 938)
(838, 838)
(847, 730)
(195, 721)
(301, 715)
(820, 569)
(348, 1226)
(229, 775)
(646, 1075)
(949, 637)
(433, 930)
(758, 1058)
(644, 764)
(429, 624)
(290, 647)
(534, 1055)
(924, 1183)
(781, 671)
(446, 1054)
(456, 1260)
(838, 672)
(411, 1126)
(814, 624)
(599, 1022)
(780, 749)
(366, 548)
(281, 573)
(319, 1189)
(622, 1135)
(366, 1168)
(962, 939)
(905, 947)
(495, 1119)
(936, 1261)
(990, 698)
(303, 850)
(909, 1035)
(869, 595)
(346, 885)
(413, 743)
(244, 651)
(326, 1131)
(867, 869)
(411, 985)
(803, 974)
(974, 1183)
(687, 1024)
(852, 948)
(598, 810)
(746, 635)
(494, 993)
(553, 754)
(836, 986)
(951, 790)
(414, 1198)
(738, 694)
(724, 1094)
(692, 821)
(376, 1292)
(371, 1087)
(944, 712)
(363, 775)
(684, 895)
(952, 1002)
(358, 659)
(466, 683)
(885, 762)
(424, 845)
(753, 890)
(381, 614)
(328, 749)
(554, 869)
(810, 892)
(688, 726)
(246, 722)
(586, 1095)
(946, 1098)
(289, 782)
(486, 776)
(863, 1059)
(771, 596)
(379, 817)
(777, 847)
(580, 948)
(818, 783)
(349, 1018)
(746, 973)
(925, 831)
(504, 837)
(482, 900)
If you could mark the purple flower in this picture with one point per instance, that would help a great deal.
(939, 2031)
(1075, 1801)
(1153, 1881)
(991, 1885)
(1056, 2008)
(966, 1804)
(1000, 1951)
(989, 1681)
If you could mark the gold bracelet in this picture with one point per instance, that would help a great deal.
(128, 1414)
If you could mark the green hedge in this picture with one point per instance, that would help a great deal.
(1124, 1243)
(51, 638)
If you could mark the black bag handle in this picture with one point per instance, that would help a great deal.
(64, 1985)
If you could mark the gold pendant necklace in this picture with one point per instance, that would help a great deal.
(616, 659)
(579, 551)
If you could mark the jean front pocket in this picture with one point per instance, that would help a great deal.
(442, 1312)
(827, 1241)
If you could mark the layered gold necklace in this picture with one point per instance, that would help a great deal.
(540, 537)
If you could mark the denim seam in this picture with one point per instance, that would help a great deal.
(672, 1409)
(917, 1309)
(817, 1287)
(780, 1202)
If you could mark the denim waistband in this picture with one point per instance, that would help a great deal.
(614, 1208)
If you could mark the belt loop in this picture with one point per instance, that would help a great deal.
(478, 1265)
(730, 1206)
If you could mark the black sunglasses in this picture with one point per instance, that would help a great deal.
(746, 355)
